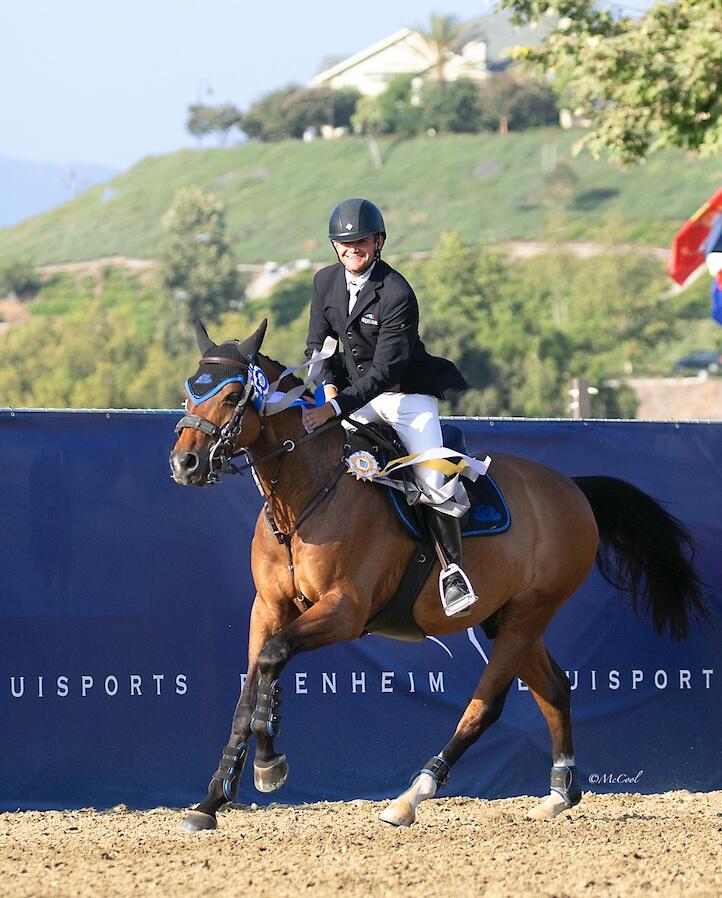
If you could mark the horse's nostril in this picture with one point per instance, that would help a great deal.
(182, 464)
(188, 462)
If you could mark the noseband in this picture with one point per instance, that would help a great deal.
(226, 437)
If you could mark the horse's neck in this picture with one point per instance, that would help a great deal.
(299, 474)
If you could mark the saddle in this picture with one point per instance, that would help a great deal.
(488, 514)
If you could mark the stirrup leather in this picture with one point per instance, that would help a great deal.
(463, 602)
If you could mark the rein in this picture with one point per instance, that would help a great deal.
(284, 537)
(223, 452)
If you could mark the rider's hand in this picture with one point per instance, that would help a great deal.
(315, 417)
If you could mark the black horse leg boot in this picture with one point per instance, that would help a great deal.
(456, 591)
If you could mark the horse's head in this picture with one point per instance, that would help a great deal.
(224, 400)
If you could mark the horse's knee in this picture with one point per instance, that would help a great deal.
(273, 656)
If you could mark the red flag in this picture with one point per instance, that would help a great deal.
(689, 246)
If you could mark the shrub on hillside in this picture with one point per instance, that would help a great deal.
(203, 120)
(393, 111)
(287, 113)
(519, 100)
(451, 106)
(19, 279)
(464, 105)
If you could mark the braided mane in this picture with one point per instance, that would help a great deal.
(289, 381)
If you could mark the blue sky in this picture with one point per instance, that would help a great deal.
(109, 82)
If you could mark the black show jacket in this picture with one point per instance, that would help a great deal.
(382, 349)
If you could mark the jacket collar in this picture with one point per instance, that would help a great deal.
(369, 290)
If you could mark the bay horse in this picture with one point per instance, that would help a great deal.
(321, 571)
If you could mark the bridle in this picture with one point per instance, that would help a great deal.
(223, 450)
(227, 435)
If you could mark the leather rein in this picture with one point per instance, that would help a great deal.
(223, 452)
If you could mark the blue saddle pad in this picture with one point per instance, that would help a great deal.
(489, 514)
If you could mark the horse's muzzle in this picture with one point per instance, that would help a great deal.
(186, 469)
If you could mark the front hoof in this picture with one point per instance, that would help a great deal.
(399, 813)
(196, 822)
(548, 809)
(271, 776)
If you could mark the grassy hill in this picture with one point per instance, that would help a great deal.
(491, 189)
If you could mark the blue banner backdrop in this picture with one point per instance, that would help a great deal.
(125, 603)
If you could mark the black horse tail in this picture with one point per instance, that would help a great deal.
(647, 553)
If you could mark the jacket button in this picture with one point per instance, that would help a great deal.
(360, 367)
(354, 352)
(349, 333)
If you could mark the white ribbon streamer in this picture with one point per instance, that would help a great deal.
(278, 401)
(451, 498)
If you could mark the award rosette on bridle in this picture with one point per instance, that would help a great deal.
(259, 381)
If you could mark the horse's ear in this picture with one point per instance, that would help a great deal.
(251, 345)
(204, 341)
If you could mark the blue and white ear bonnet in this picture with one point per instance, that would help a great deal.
(231, 362)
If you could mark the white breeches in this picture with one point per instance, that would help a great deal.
(415, 418)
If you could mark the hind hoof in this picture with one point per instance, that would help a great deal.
(268, 778)
(399, 813)
(196, 822)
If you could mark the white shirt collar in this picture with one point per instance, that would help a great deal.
(359, 279)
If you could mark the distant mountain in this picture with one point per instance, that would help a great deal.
(29, 188)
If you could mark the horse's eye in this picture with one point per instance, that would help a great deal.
(233, 398)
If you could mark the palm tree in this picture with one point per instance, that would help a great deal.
(445, 37)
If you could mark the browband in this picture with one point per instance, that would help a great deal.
(223, 360)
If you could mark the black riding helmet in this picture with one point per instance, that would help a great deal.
(354, 219)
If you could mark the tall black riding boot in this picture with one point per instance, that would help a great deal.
(456, 590)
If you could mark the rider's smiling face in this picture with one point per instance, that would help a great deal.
(359, 254)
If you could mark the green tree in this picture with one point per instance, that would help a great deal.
(393, 111)
(196, 265)
(19, 279)
(646, 82)
(612, 314)
(518, 99)
(227, 118)
(286, 113)
(456, 106)
(457, 290)
(200, 120)
(505, 342)
(203, 120)
(266, 120)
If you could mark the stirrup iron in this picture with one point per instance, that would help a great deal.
(463, 602)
